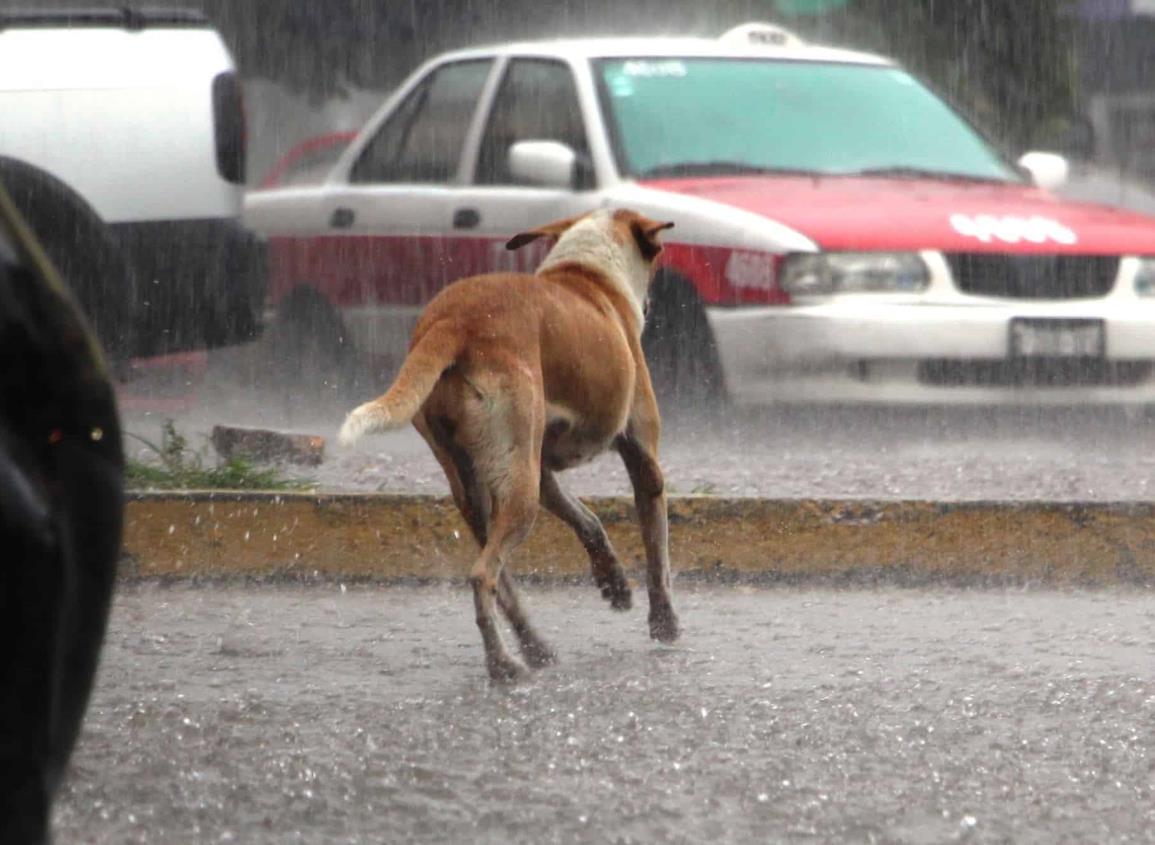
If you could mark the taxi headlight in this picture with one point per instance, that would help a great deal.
(854, 272)
(1145, 277)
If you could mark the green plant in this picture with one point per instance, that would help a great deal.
(180, 467)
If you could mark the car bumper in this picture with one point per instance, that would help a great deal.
(858, 349)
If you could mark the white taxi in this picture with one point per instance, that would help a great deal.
(841, 233)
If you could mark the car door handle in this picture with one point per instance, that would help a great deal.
(342, 218)
(466, 218)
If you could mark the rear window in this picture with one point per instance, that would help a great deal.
(422, 139)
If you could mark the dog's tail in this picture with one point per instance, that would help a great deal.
(432, 355)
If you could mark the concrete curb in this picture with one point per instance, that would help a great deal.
(392, 537)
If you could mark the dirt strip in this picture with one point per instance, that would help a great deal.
(390, 537)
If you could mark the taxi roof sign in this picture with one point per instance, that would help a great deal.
(761, 34)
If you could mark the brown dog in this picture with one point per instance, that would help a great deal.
(513, 377)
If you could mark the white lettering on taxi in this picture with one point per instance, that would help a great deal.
(1012, 230)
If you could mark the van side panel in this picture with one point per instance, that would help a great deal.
(124, 118)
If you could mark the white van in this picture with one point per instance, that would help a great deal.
(122, 139)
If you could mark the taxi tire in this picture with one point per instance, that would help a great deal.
(680, 349)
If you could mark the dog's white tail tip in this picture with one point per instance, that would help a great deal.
(361, 421)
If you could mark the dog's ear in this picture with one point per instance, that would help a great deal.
(645, 232)
(551, 230)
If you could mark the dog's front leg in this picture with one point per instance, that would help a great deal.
(638, 448)
(607, 569)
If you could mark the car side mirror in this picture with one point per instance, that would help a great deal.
(1048, 170)
(548, 163)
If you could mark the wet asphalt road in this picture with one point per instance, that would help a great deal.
(276, 714)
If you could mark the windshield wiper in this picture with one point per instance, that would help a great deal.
(722, 168)
(900, 171)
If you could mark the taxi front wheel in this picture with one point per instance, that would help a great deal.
(680, 348)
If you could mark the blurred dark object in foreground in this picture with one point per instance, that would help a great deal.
(61, 512)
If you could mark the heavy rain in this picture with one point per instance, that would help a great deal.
(882, 572)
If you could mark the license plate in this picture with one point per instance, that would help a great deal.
(1032, 338)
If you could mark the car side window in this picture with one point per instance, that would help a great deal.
(422, 140)
(537, 101)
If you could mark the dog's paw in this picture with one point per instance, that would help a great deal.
(539, 655)
(506, 670)
(664, 625)
(618, 594)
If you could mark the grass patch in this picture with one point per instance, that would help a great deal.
(180, 467)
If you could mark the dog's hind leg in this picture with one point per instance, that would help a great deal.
(473, 501)
(607, 568)
(471, 498)
(513, 516)
(475, 510)
(505, 449)
(484, 578)
(536, 651)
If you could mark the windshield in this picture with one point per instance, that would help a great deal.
(703, 116)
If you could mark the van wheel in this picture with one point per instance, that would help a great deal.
(233, 313)
(84, 252)
(680, 348)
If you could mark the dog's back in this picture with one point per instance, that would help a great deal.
(563, 330)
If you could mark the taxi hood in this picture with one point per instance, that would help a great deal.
(872, 213)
